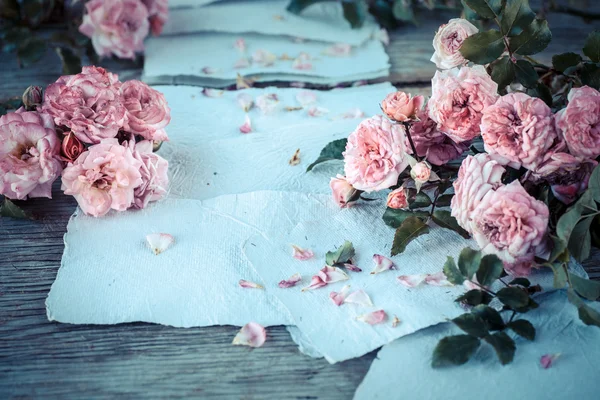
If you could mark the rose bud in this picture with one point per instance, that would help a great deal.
(71, 147)
(343, 192)
(402, 107)
(397, 199)
(32, 97)
(421, 173)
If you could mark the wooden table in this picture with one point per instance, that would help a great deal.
(51, 360)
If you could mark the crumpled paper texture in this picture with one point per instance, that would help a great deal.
(402, 369)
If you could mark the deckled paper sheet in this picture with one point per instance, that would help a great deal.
(170, 58)
(334, 331)
(173, 4)
(322, 22)
(402, 370)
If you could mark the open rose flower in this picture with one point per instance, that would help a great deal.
(103, 177)
(477, 176)
(158, 13)
(510, 223)
(147, 112)
(579, 122)
(29, 155)
(89, 104)
(343, 192)
(458, 99)
(519, 128)
(116, 26)
(447, 42)
(431, 143)
(397, 199)
(401, 107)
(155, 180)
(375, 154)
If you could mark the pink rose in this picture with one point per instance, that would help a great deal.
(431, 143)
(29, 155)
(447, 42)
(343, 192)
(375, 154)
(458, 100)
(103, 177)
(71, 147)
(154, 175)
(519, 128)
(147, 112)
(510, 223)
(89, 104)
(158, 12)
(116, 26)
(401, 107)
(579, 122)
(397, 199)
(477, 175)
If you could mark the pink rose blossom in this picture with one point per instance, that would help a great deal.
(89, 104)
(579, 122)
(458, 100)
(510, 223)
(402, 107)
(103, 177)
(477, 176)
(251, 334)
(421, 172)
(158, 13)
(375, 154)
(29, 155)
(343, 193)
(71, 147)
(397, 199)
(519, 128)
(147, 112)
(155, 180)
(447, 42)
(116, 26)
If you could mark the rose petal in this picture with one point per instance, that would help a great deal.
(295, 160)
(240, 44)
(437, 279)
(245, 101)
(242, 63)
(351, 267)
(359, 297)
(285, 57)
(306, 97)
(302, 62)
(267, 103)
(338, 50)
(317, 111)
(288, 108)
(212, 92)
(251, 334)
(209, 70)
(395, 322)
(332, 274)
(412, 281)
(373, 318)
(292, 281)
(382, 264)
(243, 83)
(315, 283)
(159, 242)
(264, 57)
(353, 114)
(301, 254)
(338, 298)
(547, 360)
(250, 285)
(247, 126)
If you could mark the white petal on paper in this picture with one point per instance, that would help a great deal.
(359, 297)
(306, 97)
(159, 242)
(382, 263)
(412, 281)
(245, 101)
(317, 111)
(250, 285)
(263, 58)
(338, 50)
(291, 282)
(373, 318)
(303, 62)
(267, 103)
(559, 330)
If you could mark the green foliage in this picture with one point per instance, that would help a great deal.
(297, 6)
(332, 151)
(573, 227)
(474, 298)
(503, 72)
(562, 62)
(355, 12)
(31, 51)
(483, 47)
(403, 11)
(515, 14)
(452, 272)
(421, 200)
(492, 318)
(468, 262)
(591, 47)
(395, 217)
(490, 269)
(585, 287)
(382, 11)
(445, 220)
(503, 345)
(525, 74)
(454, 350)
(11, 210)
(341, 255)
(71, 63)
(489, 9)
(523, 328)
(533, 39)
(410, 229)
(513, 297)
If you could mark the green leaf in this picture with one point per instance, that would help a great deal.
(11, 210)
(589, 316)
(492, 318)
(71, 63)
(342, 254)
(520, 281)
(445, 220)
(332, 151)
(561, 62)
(486, 8)
(403, 11)
(590, 75)
(503, 72)
(503, 345)
(580, 241)
(567, 222)
(394, 217)
(454, 350)
(31, 52)
(474, 298)
(421, 200)
(382, 11)
(531, 305)
(452, 272)
(594, 184)
(523, 328)
(525, 74)
(591, 48)
(468, 262)
(483, 47)
(9, 9)
(560, 276)
(513, 297)
(471, 324)
(297, 6)
(355, 12)
(533, 39)
(444, 201)
(411, 228)
(585, 287)
(516, 14)
(490, 269)
(543, 92)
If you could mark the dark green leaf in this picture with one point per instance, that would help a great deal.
(71, 63)
(513, 297)
(567, 222)
(474, 298)
(521, 281)
(296, 6)
(382, 10)
(486, 8)
(483, 47)
(411, 228)
(589, 316)
(35, 12)
(355, 12)
(503, 345)
(11, 210)
(394, 217)
(469, 14)
(594, 184)
(471, 324)
(591, 47)
(590, 75)
(454, 350)
(503, 72)
(523, 328)
(543, 92)
(9, 9)
(531, 305)
(525, 74)
(333, 151)
(490, 269)
(560, 276)
(342, 254)
(32, 51)
(444, 201)
(533, 39)
(452, 272)
(561, 62)
(516, 14)
(403, 11)
(14, 37)
(468, 262)
(421, 200)
(580, 242)
(492, 318)
(585, 287)
(444, 219)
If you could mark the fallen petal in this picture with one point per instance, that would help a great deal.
(247, 126)
(547, 360)
(243, 83)
(338, 298)
(245, 101)
(315, 283)
(212, 92)
(302, 62)
(267, 103)
(412, 281)
(159, 242)
(317, 111)
(351, 267)
(353, 114)
(250, 285)
(293, 281)
(295, 160)
(359, 297)
(338, 50)
(306, 97)
(209, 70)
(301, 254)
(288, 108)
(382, 264)
(240, 44)
(242, 63)
(395, 322)
(285, 57)
(251, 334)
(373, 318)
(437, 279)
(264, 57)
(332, 274)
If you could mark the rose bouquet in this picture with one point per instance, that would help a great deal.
(95, 131)
(511, 146)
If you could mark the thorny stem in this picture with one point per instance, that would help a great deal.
(412, 145)
(484, 288)
(505, 284)
(512, 316)
(437, 194)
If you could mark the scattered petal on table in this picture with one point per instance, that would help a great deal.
(159, 242)
(359, 297)
(412, 281)
(285, 57)
(292, 281)
(332, 274)
(240, 44)
(295, 160)
(242, 63)
(264, 57)
(245, 101)
(247, 125)
(338, 50)
(250, 285)
(243, 83)
(373, 318)
(212, 92)
(395, 321)
(306, 97)
(317, 111)
(267, 103)
(251, 334)
(209, 70)
(302, 62)
(353, 114)
(351, 267)
(547, 360)
(288, 108)
(315, 283)
(381, 264)
(339, 298)
(301, 254)
(437, 279)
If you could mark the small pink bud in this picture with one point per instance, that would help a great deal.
(343, 192)
(33, 97)
(397, 199)
(71, 148)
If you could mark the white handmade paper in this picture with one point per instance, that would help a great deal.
(170, 58)
(323, 22)
(174, 4)
(402, 369)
